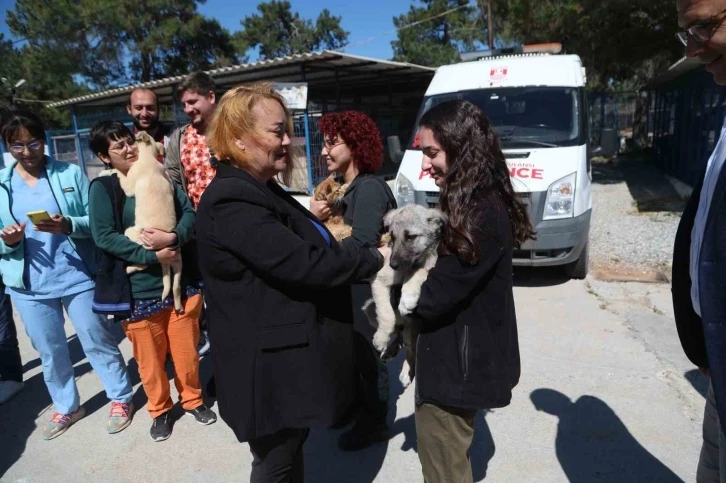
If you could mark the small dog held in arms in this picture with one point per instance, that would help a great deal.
(148, 182)
(332, 191)
(413, 235)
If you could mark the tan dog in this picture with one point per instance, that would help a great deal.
(332, 192)
(147, 181)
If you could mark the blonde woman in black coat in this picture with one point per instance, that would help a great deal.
(277, 287)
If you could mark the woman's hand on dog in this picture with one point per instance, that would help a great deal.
(320, 209)
(385, 251)
(153, 239)
(167, 256)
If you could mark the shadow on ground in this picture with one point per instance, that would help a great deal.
(18, 416)
(593, 444)
(539, 276)
(698, 381)
(325, 462)
(648, 186)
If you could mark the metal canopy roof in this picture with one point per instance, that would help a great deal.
(684, 65)
(319, 69)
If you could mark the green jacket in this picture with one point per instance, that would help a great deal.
(146, 284)
(70, 190)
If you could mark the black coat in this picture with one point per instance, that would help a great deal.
(468, 353)
(688, 323)
(278, 307)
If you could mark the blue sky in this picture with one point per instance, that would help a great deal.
(363, 19)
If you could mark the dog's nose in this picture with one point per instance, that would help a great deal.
(394, 264)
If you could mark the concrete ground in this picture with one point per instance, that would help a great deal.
(606, 395)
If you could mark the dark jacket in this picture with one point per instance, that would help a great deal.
(688, 323)
(468, 353)
(366, 201)
(712, 287)
(278, 305)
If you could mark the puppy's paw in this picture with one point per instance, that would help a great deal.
(409, 301)
(404, 377)
(380, 341)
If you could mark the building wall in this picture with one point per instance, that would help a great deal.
(686, 116)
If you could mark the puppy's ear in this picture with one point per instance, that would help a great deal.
(143, 136)
(388, 219)
(437, 219)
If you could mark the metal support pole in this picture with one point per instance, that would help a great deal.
(49, 144)
(308, 154)
(79, 150)
(306, 125)
(174, 109)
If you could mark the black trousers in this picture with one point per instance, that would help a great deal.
(372, 373)
(278, 457)
(11, 368)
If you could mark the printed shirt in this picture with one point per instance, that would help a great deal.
(195, 161)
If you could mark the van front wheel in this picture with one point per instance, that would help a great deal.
(579, 268)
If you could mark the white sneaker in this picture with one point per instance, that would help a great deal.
(8, 389)
(203, 346)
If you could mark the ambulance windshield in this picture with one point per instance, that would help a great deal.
(524, 117)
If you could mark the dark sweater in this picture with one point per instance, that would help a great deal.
(366, 201)
(146, 284)
(468, 353)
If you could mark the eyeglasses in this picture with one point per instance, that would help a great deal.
(32, 146)
(123, 145)
(702, 31)
(330, 144)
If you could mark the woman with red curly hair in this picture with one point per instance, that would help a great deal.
(353, 151)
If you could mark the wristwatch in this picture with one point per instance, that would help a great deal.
(70, 227)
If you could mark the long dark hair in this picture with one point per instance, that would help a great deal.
(476, 166)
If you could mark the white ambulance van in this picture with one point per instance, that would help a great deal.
(537, 103)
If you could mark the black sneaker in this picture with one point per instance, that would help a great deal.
(161, 427)
(203, 415)
(362, 435)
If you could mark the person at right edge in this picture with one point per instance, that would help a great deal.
(699, 267)
(467, 355)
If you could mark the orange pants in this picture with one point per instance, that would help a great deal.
(165, 333)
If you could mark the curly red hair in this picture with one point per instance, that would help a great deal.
(360, 134)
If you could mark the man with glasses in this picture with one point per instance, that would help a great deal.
(144, 108)
(699, 267)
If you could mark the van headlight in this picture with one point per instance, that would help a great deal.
(404, 191)
(560, 199)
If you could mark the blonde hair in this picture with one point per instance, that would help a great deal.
(234, 119)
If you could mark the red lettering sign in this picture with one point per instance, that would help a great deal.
(497, 74)
(526, 173)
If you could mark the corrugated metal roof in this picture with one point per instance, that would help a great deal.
(682, 66)
(327, 64)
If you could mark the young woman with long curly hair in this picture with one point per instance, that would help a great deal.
(468, 354)
(354, 152)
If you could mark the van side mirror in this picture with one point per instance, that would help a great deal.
(394, 149)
